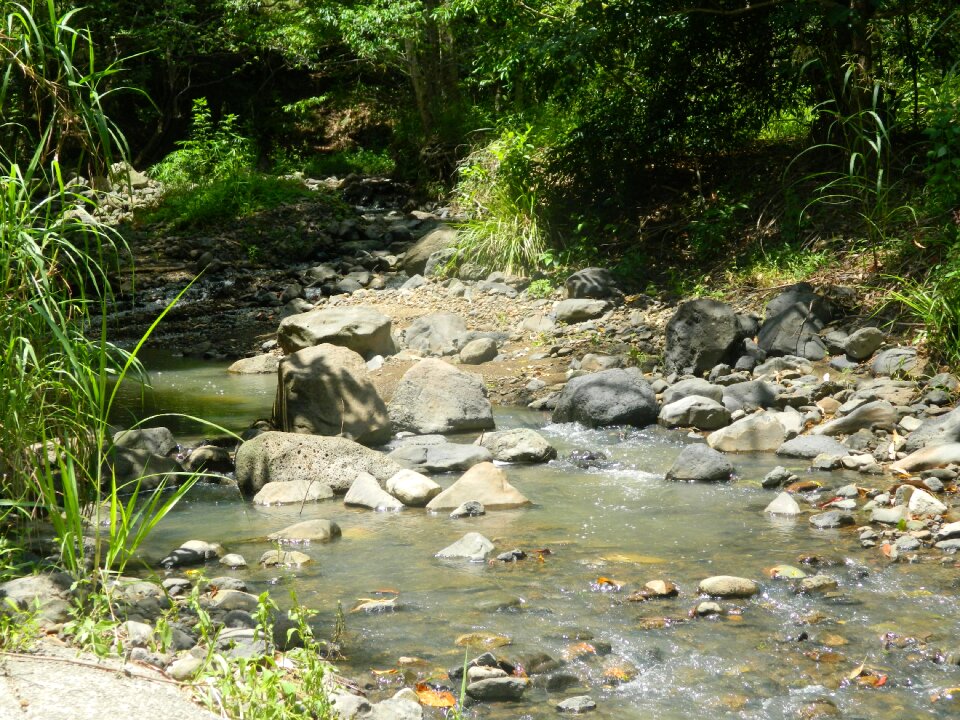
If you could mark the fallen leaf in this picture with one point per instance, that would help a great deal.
(381, 673)
(801, 486)
(578, 650)
(886, 549)
(857, 671)
(605, 584)
(434, 698)
(375, 604)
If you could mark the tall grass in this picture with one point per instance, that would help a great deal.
(506, 231)
(58, 371)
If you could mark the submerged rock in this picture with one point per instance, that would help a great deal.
(472, 546)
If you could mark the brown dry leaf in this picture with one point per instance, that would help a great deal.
(375, 604)
(857, 671)
(801, 486)
(605, 584)
(577, 650)
(434, 698)
(381, 673)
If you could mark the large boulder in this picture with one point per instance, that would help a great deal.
(878, 414)
(756, 433)
(439, 333)
(591, 282)
(750, 395)
(702, 333)
(699, 463)
(435, 397)
(439, 239)
(695, 411)
(793, 322)
(326, 390)
(518, 445)
(282, 457)
(484, 483)
(609, 397)
(49, 594)
(362, 329)
(863, 343)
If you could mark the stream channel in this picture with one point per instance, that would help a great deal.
(772, 656)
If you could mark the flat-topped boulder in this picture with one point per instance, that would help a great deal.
(327, 390)
(362, 329)
(283, 457)
(435, 397)
(484, 483)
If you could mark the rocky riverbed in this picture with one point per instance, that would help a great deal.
(721, 500)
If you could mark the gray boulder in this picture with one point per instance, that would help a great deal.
(257, 365)
(435, 397)
(701, 334)
(519, 445)
(282, 457)
(441, 238)
(809, 446)
(412, 489)
(158, 441)
(320, 530)
(793, 321)
(591, 282)
(479, 351)
(896, 362)
(749, 396)
(863, 343)
(366, 492)
(695, 411)
(692, 386)
(610, 397)
(755, 433)
(438, 333)
(872, 415)
(438, 457)
(130, 466)
(473, 546)
(327, 390)
(362, 329)
(936, 431)
(699, 463)
(574, 310)
(49, 593)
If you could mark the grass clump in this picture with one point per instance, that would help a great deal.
(356, 160)
(212, 178)
(506, 231)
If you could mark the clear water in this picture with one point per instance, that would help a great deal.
(623, 522)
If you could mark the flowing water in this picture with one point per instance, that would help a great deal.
(767, 657)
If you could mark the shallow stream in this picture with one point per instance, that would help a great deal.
(767, 657)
